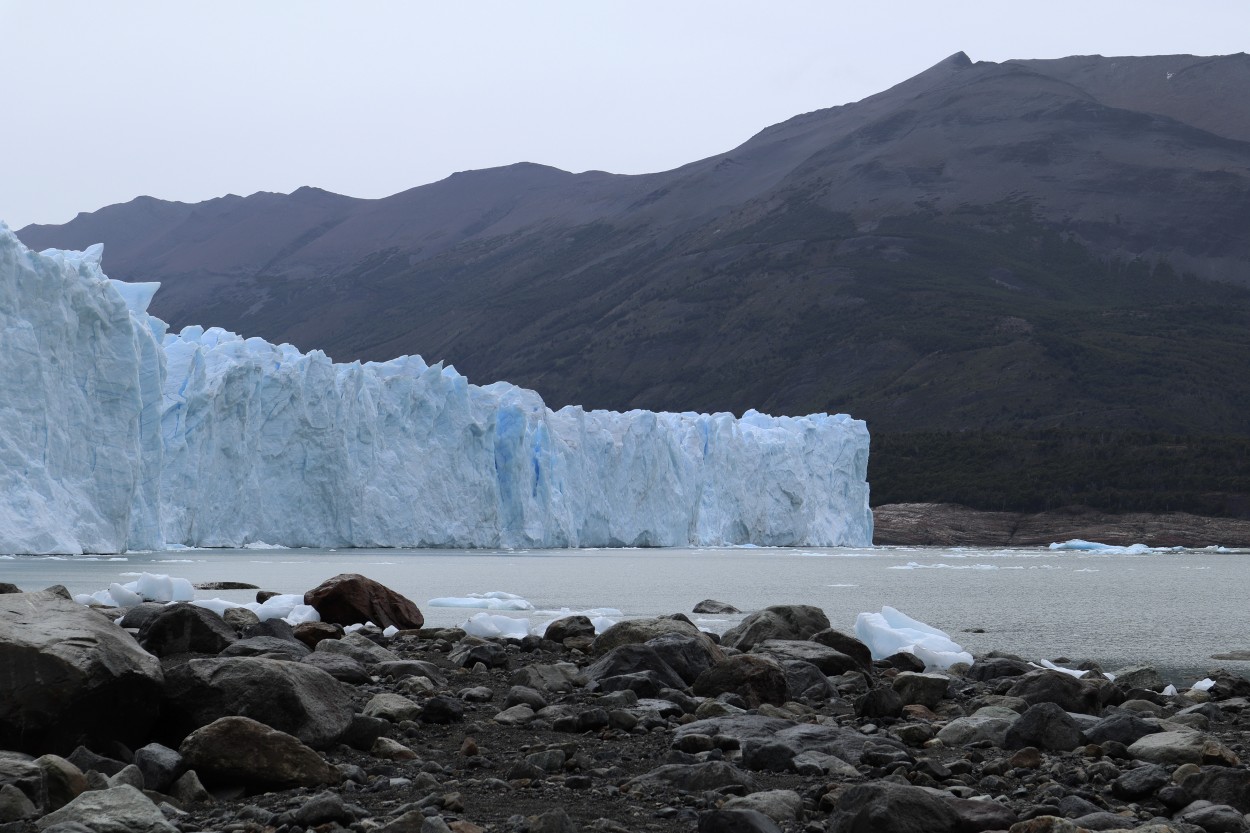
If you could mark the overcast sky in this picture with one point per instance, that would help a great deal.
(105, 101)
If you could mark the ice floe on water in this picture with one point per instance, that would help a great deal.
(163, 589)
(494, 600)
(1079, 545)
(497, 625)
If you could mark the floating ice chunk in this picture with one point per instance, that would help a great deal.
(601, 617)
(261, 545)
(1203, 685)
(495, 625)
(1078, 545)
(890, 632)
(288, 606)
(122, 597)
(302, 613)
(1170, 690)
(218, 606)
(154, 587)
(483, 601)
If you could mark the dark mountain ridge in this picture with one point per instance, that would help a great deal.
(1022, 247)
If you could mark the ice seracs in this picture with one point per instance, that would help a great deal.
(115, 435)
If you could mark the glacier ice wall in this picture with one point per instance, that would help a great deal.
(81, 374)
(129, 437)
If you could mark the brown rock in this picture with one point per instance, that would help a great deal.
(757, 679)
(350, 599)
(310, 633)
(239, 750)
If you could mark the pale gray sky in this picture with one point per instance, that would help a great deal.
(104, 101)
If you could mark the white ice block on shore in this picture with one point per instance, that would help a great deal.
(890, 632)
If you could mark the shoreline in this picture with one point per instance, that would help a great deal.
(783, 725)
(952, 525)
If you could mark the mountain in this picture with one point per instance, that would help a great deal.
(1015, 248)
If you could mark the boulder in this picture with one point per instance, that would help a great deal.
(976, 728)
(351, 599)
(289, 696)
(1069, 693)
(1140, 782)
(714, 607)
(688, 656)
(1220, 785)
(392, 707)
(828, 660)
(975, 816)
(807, 681)
(1177, 748)
(846, 644)
(1139, 676)
(160, 765)
(470, 651)
(736, 820)
(121, 809)
(1120, 727)
(709, 775)
(71, 675)
(632, 658)
(921, 689)
(778, 622)
(886, 807)
(994, 668)
(569, 626)
(879, 702)
(272, 647)
(847, 744)
(239, 751)
(360, 648)
(556, 678)
(184, 628)
(15, 805)
(756, 679)
(1046, 726)
(310, 633)
(339, 666)
(62, 781)
(633, 631)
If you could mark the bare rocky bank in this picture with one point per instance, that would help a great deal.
(179, 720)
(951, 525)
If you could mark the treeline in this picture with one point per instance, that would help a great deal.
(1035, 471)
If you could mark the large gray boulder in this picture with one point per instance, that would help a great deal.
(122, 809)
(632, 631)
(778, 622)
(292, 697)
(238, 751)
(756, 679)
(832, 662)
(71, 676)
(886, 807)
(185, 628)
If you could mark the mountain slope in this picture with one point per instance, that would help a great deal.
(1016, 247)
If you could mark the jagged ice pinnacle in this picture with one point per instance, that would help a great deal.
(116, 435)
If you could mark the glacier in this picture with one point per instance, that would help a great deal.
(117, 435)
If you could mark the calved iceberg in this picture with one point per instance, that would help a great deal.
(115, 435)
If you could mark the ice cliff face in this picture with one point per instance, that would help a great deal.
(114, 435)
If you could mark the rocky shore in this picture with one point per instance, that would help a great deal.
(177, 719)
(951, 525)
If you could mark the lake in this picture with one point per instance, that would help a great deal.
(1170, 609)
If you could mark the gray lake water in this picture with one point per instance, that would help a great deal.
(1170, 609)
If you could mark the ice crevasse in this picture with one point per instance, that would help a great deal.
(116, 435)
